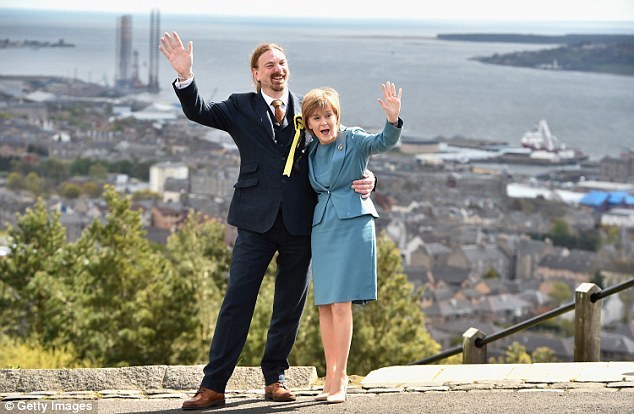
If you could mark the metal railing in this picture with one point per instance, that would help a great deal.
(586, 336)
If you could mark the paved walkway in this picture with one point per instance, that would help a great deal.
(407, 384)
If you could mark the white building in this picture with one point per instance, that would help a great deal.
(620, 217)
(164, 170)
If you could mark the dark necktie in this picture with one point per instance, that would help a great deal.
(279, 112)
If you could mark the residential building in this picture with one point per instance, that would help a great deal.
(618, 169)
(164, 170)
(570, 265)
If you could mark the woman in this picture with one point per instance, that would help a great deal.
(343, 222)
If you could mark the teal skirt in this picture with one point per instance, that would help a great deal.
(344, 259)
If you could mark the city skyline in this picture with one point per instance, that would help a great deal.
(484, 10)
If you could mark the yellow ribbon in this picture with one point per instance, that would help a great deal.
(299, 125)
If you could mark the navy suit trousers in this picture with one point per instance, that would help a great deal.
(252, 254)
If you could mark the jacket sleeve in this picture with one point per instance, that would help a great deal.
(219, 115)
(375, 144)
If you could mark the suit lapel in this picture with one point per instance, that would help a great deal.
(296, 103)
(339, 155)
(262, 112)
(312, 149)
(294, 107)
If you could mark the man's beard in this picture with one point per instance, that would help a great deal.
(276, 86)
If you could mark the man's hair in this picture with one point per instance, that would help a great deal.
(255, 57)
(319, 99)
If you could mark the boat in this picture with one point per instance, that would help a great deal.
(540, 138)
(545, 147)
(539, 147)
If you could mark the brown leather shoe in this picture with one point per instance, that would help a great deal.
(278, 392)
(204, 398)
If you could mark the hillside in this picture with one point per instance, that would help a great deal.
(615, 59)
(612, 54)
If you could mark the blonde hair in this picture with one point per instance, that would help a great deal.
(320, 99)
(255, 57)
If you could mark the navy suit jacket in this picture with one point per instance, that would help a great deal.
(261, 190)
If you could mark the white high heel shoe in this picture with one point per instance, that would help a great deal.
(338, 397)
(322, 396)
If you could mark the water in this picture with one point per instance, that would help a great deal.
(445, 93)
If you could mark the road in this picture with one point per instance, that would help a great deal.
(503, 402)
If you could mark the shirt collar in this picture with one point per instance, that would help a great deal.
(283, 98)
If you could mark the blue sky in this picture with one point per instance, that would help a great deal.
(486, 10)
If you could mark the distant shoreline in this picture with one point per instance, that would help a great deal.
(32, 44)
(568, 39)
(597, 53)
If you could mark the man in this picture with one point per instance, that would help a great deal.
(272, 208)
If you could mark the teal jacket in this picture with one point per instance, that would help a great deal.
(353, 150)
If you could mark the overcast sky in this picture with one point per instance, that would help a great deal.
(539, 10)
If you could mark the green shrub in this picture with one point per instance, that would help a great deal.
(29, 354)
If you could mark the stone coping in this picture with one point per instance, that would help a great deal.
(164, 379)
(519, 374)
(153, 377)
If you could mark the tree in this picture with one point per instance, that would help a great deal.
(110, 295)
(34, 183)
(543, 354)
(30, 354)
(142, 169)
(15, 181)
(118, 275)
(491, 273)
(560, 233)
(145, 195)
(92, 189)
(598, 279)
(122, 167)
(560, 293)
(80, 166)
(54, 169)
(611, 234)
(198, 259)
(24, 166)
(98, 170)
(516, 354)
(31, 291)
(589, 240)
(70, 190)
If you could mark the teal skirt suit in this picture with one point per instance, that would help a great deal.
(343, 239)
